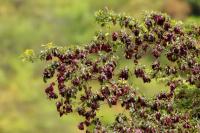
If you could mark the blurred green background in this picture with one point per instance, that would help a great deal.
(31, 23)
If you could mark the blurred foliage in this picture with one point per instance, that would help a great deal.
(179, 9)
(195, 5)
(193, 20)
(27, 24)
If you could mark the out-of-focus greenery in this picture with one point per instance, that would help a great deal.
(195, 5)
(193, 20)
(26, 24)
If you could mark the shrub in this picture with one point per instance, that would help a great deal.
(70, 72)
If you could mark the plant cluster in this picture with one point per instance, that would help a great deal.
(71, 72)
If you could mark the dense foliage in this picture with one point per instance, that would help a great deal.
(71, 72)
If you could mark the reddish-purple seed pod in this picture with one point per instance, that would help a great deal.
(114, 36)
